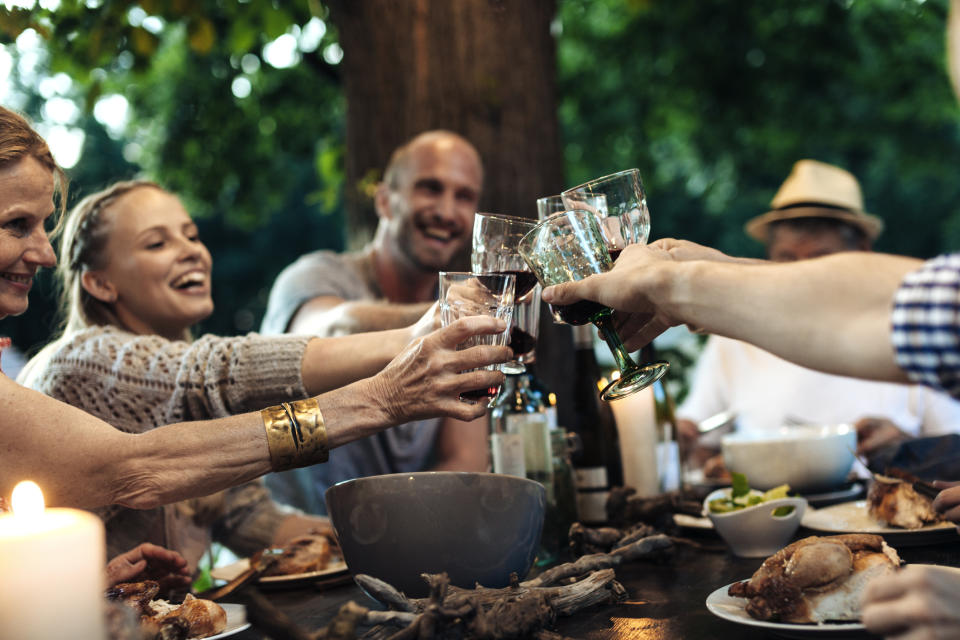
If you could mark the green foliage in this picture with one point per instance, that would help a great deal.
(715, 101)
(261, 173)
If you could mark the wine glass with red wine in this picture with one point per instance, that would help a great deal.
(465, 294)
(549, 205)
(495, 240)
(570, 246)
(622, 211)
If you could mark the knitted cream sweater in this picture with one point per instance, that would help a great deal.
(137, 383)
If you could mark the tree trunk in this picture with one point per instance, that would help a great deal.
(482, 68)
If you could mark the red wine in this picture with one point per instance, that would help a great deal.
(614, 254)
(580, 312)
(493, 281)
(525, 280)
(521, 342)
(480, 394)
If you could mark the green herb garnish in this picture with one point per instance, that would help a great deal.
(742, 497)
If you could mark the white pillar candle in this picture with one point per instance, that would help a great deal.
(52, 571)
(637, 428)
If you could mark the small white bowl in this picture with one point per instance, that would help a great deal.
(754, 532)
(810, 458)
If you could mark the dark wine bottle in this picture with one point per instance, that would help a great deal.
(597, 467)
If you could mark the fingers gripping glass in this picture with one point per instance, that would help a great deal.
(471, 294)
(569, 246)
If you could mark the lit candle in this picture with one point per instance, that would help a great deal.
(637, 428)
(52, 574)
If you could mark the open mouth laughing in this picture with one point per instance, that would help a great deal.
(18, 280)
(191, 282)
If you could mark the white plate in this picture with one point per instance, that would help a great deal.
(851, 517)
(236, 621)
(734, 609)
(230, 571)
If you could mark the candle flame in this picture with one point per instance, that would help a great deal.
(27, 500)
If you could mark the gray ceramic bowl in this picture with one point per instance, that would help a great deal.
(478, 527)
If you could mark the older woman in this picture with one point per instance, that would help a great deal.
(81, 460)
(135, 276)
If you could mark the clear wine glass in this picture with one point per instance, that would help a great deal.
(570, 246)
(464, 294)
(495, 240)
(622, 213)
(549, 205)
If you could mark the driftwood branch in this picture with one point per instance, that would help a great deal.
(645, 547)
(625, 508)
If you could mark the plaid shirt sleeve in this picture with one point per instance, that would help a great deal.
(926, 324)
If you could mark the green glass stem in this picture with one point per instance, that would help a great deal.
(625, 363)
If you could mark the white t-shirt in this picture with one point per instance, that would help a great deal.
(763, 390)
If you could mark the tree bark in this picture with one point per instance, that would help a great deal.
(482, 68)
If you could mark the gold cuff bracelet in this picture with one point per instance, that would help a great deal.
(296, 434)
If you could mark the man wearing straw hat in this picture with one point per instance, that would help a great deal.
(817, 211)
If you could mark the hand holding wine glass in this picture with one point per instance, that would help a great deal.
(471, 294)
(569, 246)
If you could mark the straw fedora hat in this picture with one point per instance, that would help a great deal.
(817, 190)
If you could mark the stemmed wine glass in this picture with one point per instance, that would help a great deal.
(622, 212)
(570, 246)
(495, 240)
(549, 205)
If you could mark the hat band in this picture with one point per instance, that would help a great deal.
(813, 205)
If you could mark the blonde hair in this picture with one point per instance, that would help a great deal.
(18, 140)
(83, 240)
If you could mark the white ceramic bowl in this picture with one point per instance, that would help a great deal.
(754, 532)
(810, 458)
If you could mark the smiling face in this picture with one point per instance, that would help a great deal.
(26, 200)
(428, 213)
(157, 274)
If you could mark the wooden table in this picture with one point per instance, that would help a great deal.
(666, 599)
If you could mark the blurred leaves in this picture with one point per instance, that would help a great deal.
(715, 101)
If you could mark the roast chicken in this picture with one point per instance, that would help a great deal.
(816, 579)
(309, 552)
(160, 620)
(893, 500)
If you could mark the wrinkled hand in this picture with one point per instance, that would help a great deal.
(915, 602)
(876, 433)
(425, 380)
(149, 562)
(947, 501)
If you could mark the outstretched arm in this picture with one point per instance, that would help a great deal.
(332, 316)
(80, 460)
(830, 313)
